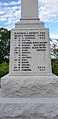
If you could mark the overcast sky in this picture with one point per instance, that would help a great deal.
(10, 13)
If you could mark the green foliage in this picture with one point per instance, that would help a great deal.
(55, 66)
(4, 44)
(4, 69)
(55, 51)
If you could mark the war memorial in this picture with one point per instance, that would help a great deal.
(30, 90)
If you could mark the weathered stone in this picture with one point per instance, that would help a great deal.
(29, 86)
(29, 110)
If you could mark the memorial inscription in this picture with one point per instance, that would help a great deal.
(30, 51)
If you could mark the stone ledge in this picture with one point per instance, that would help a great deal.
(29, 86)
(30, 109)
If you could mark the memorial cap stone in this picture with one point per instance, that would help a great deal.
(29, 9)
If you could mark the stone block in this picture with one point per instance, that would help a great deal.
(29, 108)
(29, 86)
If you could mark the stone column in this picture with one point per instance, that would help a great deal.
(29, 9)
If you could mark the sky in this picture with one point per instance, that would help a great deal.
(10, 13)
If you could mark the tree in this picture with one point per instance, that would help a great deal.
(4, 44)
(54, 48)
(55, 51)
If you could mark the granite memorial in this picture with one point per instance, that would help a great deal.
(30, 50)
(30, 90)
(30, 72)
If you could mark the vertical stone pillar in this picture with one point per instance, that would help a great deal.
(29, 9)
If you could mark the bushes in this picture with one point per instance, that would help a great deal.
(55, 66)
(4, 69)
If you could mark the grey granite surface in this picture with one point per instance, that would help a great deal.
(29, 86)
(29, 110)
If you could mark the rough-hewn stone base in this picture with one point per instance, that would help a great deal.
(29, 86)
(23, 107)
(28, 108)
